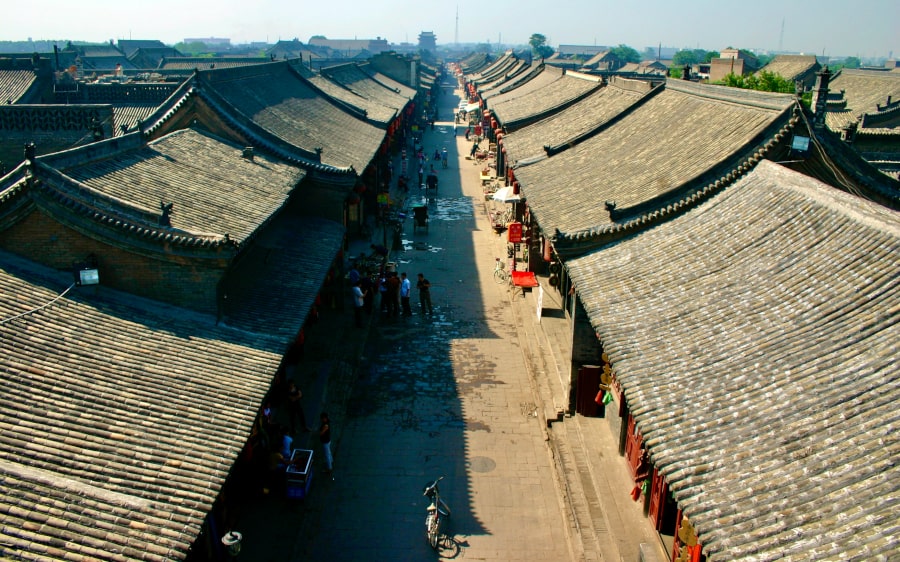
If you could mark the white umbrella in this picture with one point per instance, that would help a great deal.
(506, 195)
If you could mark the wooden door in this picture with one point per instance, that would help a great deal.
(587, 387)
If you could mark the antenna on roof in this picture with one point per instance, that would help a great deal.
(781, 38)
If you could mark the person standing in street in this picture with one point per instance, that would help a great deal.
(359, 301)
(325, 439)
(295, 408)
(393, 294)
(405, 290)
(424, 287)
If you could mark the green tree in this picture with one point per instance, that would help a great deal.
(539, 45)
(684, 57)
(194, 48)
(710, 55)
(850, 62)
(763, 81)
(626, 53)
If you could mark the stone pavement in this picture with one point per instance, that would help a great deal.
(464, 393)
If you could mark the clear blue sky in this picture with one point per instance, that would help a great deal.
(864, 28)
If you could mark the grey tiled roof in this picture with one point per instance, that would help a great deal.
(352, 77)
(494, 69)
(474, 63)
(213, 188)
(791, 67)
(388, 82)
(511, 111)
(668, 141)
(584, 116)
(865, 90)
(14, 84)
(511, 76)
(275, 286)
(536, 76)
(130, 114)
(368, 108)
(206, 63)
(756, 339)
(277, 99)
(120, 418)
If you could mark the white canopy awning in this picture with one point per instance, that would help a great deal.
(506, 195)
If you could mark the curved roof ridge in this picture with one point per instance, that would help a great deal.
(260, 136)
(551, 150)
(584, 240)
(753, 98)
(127, 217)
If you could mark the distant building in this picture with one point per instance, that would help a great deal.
(352, 48)
(428, 41)
(732, 61)
(585, 51)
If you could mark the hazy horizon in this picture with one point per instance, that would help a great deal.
(830, 27)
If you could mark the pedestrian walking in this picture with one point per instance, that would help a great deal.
(295, 408)
(359, 301)
(468, 132)
(474, 149)
(424, 287)
(393, 294)
(405, 290)
(444, 160)
(421, 174)
(382, 290)
(325, 439)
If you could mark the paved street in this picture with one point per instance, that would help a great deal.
(464, 393)
(446, 394)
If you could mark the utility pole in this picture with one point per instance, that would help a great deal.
(781, 38)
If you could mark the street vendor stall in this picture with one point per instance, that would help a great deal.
(298, 474)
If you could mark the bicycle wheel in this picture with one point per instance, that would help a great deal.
(432, 525)
(500, 276)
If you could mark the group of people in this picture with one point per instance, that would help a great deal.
(395, 292)
(281, 419)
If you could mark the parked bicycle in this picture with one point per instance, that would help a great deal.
(500, 273)
(434, 513)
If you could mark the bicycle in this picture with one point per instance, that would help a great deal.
(434, 513)
(500, 273)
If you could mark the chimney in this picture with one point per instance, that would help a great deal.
(248, 153)
(820, 97)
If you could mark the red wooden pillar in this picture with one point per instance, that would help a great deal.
(633, 441)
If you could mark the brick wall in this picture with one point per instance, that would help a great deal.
(179, 280)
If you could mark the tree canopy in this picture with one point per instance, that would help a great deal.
(693, 56)
(626, 53)
(539, 45)
(763, 81)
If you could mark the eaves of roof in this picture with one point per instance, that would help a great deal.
(277, 99)
(768, 307)
(262, 139)
(651, 162)
(126, 412)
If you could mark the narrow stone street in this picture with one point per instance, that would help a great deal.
(447, 395)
